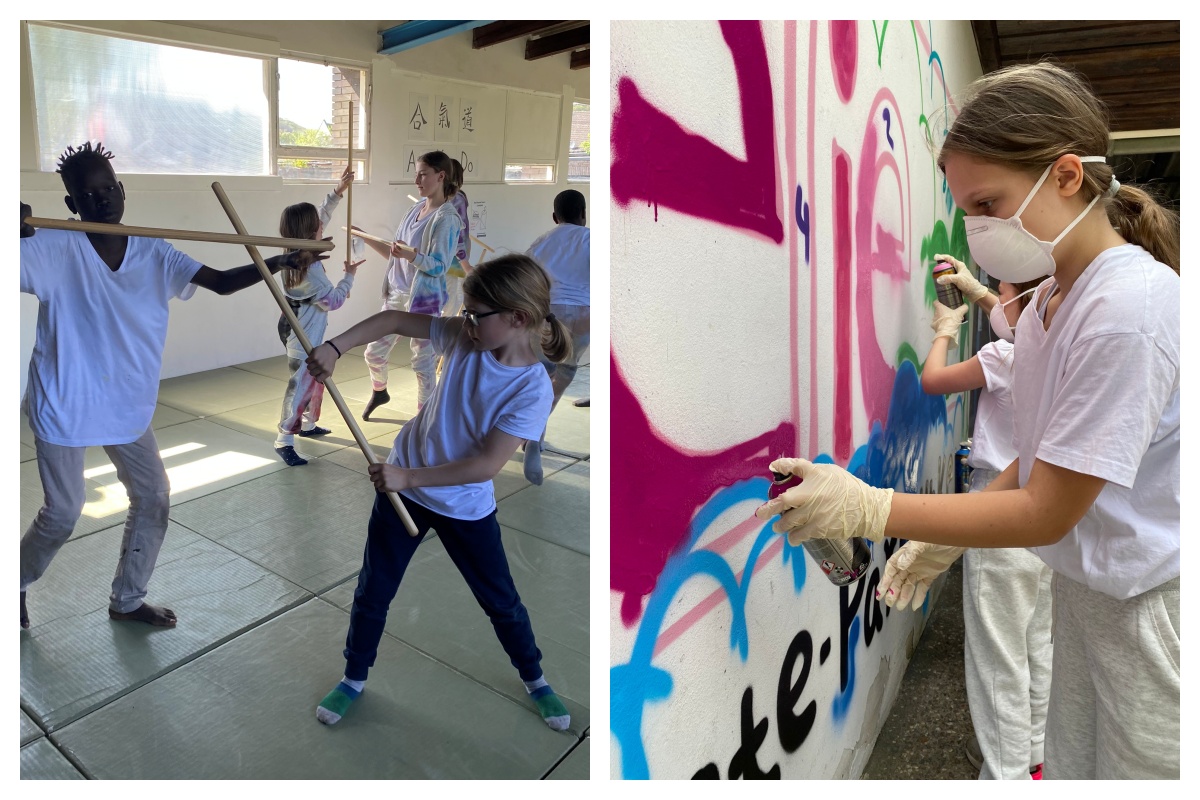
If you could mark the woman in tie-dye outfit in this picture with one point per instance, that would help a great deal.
(424, 247)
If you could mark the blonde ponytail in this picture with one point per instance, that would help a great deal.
(556, 340)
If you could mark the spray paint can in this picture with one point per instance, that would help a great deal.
(843, 561)
(962, 472)
(947, 295)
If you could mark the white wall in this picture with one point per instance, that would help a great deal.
(208, 331)
(747, 325)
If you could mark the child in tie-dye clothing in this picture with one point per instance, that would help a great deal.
(424, 248)
(312, 296)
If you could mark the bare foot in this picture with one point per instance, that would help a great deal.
(152, 615)
(24, 613)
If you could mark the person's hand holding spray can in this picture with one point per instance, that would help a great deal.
(829, 512)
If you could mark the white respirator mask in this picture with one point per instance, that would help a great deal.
(1010, 253)
(1000, 322)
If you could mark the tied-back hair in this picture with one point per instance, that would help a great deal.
(1030, 115)
(75, 159)
(458, 174)
(518, 283)
(299, 221)
(436, 159)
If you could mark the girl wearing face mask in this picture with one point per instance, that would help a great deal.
(1094, 490)
(1006, 591)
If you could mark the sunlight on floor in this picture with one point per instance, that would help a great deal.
(183, 477)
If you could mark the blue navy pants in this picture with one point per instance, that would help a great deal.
(475, 548)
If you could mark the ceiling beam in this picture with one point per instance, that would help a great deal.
(507, 30)
(987, 44)
(581, 59)
(558, 43)
(417, 32)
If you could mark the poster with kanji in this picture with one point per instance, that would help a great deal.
(446, 124)
(421, 118)
(467, 119)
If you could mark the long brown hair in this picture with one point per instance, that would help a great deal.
(299, 221)
(437, 160)
(517, 282)
(1029, 115)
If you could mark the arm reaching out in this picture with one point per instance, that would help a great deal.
(373, 328)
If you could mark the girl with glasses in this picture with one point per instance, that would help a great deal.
(493, 394)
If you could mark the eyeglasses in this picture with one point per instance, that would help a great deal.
(473, 319)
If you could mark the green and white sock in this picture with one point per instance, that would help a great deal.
(551, 708)
(337, 703)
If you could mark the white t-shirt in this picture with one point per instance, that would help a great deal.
(565, 252)
(1099, 394)
(992, 441)
(93, 377)
(475, 394)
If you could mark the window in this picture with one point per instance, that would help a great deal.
(181, 110)
(159, 108)
(579, 165)
(314, 112)
(528, 173)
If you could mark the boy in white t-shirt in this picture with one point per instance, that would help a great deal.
(93, 377)
(565, 253)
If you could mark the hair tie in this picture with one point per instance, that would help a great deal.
(1114, 186)
(550, 317)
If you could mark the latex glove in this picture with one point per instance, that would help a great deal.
(911, 571)
(947, 321)
(829, 504)
(971, 288)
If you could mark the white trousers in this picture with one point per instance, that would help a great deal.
(1007, 616)
(1114, 702)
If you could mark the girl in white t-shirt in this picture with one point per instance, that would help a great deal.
(1095, 487)
(493, 394)
(1006, 590)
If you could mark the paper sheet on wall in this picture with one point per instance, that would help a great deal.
(446, 124)
(469, 158)
(479, 218)
(467, 119)
(421, 117)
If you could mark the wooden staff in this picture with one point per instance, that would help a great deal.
(171, 233)
(277, 293)
(350, 188)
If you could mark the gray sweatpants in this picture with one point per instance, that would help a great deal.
(140, 469)
(1114, 699)
(1007, 613)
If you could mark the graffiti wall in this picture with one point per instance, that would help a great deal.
(775, 210)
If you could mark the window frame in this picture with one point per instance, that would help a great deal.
(279, 151)
(580, 101)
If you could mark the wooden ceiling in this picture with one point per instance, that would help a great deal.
(542, 38)
(1133, 66)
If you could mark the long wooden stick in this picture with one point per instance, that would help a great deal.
(281, 300)
(388, 241)
(350, 188)
(368, 236)
(172, 233)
